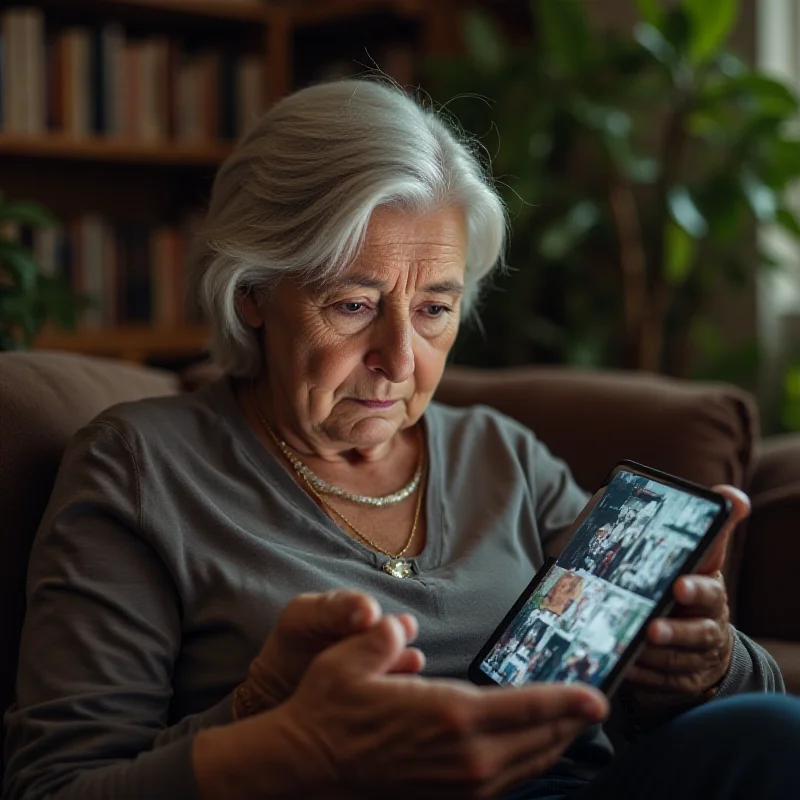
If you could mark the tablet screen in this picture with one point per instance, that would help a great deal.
(599, 593)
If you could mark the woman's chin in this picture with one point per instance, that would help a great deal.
(371, 431)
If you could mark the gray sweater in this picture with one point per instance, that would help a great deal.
(172, 541)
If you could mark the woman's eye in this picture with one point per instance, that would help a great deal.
(435, 310)
(352, 308)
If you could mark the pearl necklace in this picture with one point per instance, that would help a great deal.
(326, 488)
(396, 566)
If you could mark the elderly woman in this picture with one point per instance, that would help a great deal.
(225, 585)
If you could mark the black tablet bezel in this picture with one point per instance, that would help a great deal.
(664, 603)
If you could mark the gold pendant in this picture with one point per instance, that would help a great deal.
(398, 568)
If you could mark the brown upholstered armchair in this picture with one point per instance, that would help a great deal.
(707, 433)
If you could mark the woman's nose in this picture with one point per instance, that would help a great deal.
(391, 350)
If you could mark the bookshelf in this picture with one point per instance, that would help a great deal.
(59, 146)
(113, 127)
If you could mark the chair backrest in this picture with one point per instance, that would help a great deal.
(44, 399)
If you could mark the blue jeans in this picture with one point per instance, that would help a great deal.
(742, 748)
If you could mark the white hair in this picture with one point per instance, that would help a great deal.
(297, 194)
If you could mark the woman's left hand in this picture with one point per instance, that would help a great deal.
(689, 653)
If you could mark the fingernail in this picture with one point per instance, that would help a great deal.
(358, 617)
(413, 627)
(399, 630)
(689, 590)
(663, 632)
(740, 494)
(364, 613)
(591, 708)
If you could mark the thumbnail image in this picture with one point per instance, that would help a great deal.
(639, 534)
(572, 628)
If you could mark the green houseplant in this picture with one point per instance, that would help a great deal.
(636, 169)
(29, 298)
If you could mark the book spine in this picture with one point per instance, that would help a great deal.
(97, 94)
(11, 67)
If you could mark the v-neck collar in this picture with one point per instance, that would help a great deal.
(424, 563)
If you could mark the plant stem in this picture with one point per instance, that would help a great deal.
(659, 293)
(633, 262)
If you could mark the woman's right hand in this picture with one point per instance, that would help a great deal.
(354, 730)
(308, 625)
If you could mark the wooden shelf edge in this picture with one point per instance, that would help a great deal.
(319, 13)
(131, 341)
(211, 10)
(216, 9)
(113, 150)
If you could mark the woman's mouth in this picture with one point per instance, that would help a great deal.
(378, 405)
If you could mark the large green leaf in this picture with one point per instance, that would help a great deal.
(651, 11)
(25, 213)
(679, 249)
(780, 161)
(762, 199)
(652, 40)
(59, 302)
(756, 94)
(18, 261)
(685, 212)
(566, 33)
(606, 120)
(711, 24)
(484, 41)
(563, 236)
(788, 221)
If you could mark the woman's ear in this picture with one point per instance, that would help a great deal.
(250, 308)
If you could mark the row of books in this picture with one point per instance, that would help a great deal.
(130, 272)
(97, 82)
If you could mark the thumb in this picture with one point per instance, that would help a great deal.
(376, 651)
(714, 559)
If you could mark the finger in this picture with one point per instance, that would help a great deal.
(484, 758)
(690, 634)
(410, 662)
(701, 592)
(410, 626)
(670, 659)
(344, 612)
(373, 652)
(714, 558)
(539, 703)
(740, 502)
(526, 755)
(672, 682)
(328, 616)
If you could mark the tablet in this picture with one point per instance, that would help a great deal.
(584, 615)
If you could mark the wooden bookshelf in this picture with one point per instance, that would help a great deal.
(161, 179)
(60, 146)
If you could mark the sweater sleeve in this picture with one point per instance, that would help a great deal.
(752, 669)
(100, 639)
(557, 497)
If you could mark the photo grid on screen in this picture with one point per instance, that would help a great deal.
(604, 585)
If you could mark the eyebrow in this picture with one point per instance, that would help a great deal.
(438, 287)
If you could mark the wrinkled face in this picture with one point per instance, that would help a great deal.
(354, 362)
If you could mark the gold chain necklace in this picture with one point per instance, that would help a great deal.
(396, 566)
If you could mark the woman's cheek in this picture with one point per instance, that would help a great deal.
(331, 366)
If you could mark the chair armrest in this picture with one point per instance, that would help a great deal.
(787, 656)
(768, 597)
